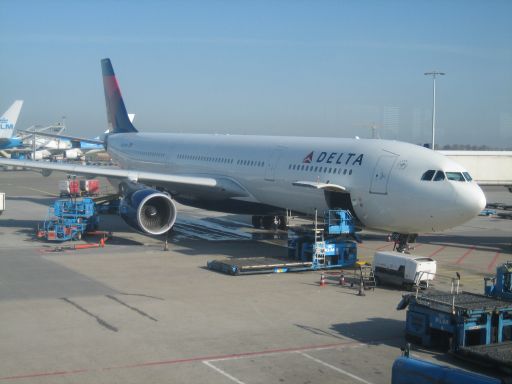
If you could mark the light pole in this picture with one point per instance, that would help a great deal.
(434, 74)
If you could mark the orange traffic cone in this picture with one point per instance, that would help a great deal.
(322, 280)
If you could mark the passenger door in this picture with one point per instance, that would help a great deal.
(381, 172)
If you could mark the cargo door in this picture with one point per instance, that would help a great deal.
(381, 174)
(271, 163)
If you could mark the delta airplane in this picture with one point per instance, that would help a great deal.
(7, 124)
(387, 185)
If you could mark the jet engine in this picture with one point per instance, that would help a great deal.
(146, 209)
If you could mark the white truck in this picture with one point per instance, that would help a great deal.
(402, 269)
(2, 202)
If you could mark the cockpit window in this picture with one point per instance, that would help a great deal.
(427, 176)
(467, 176)
(455, 176)
(439, 176)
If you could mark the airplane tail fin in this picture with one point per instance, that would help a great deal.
(9, 118)
(118, 121)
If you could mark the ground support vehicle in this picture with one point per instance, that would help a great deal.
(309, 248)
(407, 370)
(69, 219)
(454, 320)
(500, 285)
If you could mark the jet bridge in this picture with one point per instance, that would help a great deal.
(485, 167)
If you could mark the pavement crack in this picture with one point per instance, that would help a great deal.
(142, 313)
(100, 321)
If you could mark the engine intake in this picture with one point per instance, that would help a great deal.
(146, 209)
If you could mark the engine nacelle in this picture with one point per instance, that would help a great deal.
(145, 209)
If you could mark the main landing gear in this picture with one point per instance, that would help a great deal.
(403, 241)
(269, 222)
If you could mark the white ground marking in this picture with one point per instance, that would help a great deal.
(335, 368)
(224, 373)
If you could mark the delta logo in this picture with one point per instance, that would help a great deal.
(339, 158)
(308, 159)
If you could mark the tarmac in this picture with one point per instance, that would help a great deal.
(132, 312)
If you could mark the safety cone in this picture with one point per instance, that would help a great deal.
(102, 242)
(342, 279)
(322, 280)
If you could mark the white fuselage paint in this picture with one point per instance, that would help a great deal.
(383, 177)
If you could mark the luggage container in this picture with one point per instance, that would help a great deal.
(89, 187)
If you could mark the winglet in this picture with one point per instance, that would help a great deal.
(118, 121)
(9, 118)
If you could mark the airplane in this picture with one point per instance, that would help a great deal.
(388, 186)
(7, 124)
(70, 147)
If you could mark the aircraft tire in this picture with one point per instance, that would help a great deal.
(256, 221)
(267, 221)
(283, 223)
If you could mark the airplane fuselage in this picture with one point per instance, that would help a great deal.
(383, 179)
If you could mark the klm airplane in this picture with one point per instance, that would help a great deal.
(389, 186)
(7, 124)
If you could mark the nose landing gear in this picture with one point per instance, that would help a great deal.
(269, 222)
(402, 241)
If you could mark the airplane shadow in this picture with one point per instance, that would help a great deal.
(375, 330)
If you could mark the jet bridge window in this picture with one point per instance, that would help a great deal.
(439, 176)
(455, 176)
(427, 176)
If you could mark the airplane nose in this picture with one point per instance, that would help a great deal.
(471, 201)
(482, 201)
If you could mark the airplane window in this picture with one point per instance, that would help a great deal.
(454, 176)
(427, 176)
(350, 172)
(439, 176)
(467, 176)
(302, 168)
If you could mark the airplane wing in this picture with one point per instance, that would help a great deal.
(323, 186)
(65, 137)
(179, 183)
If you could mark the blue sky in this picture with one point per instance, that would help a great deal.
(312, 68)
